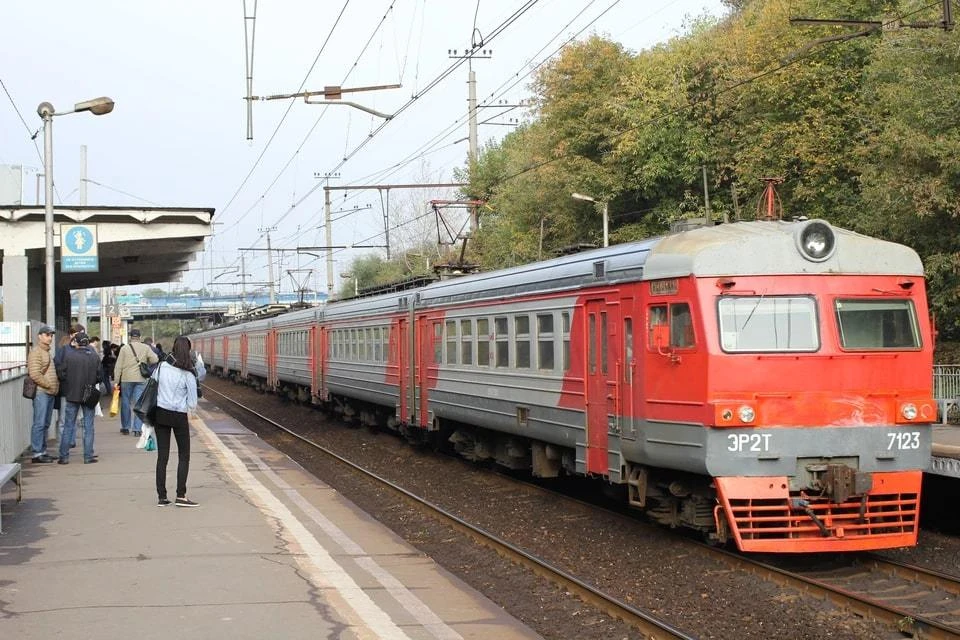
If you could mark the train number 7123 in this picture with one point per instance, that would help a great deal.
(904, 440)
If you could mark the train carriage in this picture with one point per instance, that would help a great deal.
(362, 374)
(766, 382)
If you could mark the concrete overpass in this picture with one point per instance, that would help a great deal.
(137, 245)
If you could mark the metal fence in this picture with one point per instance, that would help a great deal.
(946, 381)
(16, 413)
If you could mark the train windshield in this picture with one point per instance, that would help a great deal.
(877, 324)
(769, 324)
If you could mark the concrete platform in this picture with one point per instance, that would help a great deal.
(270, 553)
(945, 451)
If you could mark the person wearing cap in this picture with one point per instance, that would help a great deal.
(66, 342)
(79, 370)
(41, 369)
(127, 371)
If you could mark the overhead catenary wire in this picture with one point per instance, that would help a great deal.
(430, 86)
(309, 133)
(732, 87)
(283, 118)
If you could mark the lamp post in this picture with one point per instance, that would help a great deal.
(356, 284)
(98, 107)
(606, 223)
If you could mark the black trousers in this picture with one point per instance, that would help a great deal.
(182, 434)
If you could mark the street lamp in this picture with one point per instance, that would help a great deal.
(98, 107)
(356, 283)
(606, 223)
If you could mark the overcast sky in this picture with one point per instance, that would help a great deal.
(177, 137)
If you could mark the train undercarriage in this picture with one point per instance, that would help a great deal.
(837, 506)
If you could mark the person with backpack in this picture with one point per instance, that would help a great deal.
(80, 377)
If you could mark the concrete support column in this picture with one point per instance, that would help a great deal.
(16, 307)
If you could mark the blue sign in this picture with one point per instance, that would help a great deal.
(78, 248)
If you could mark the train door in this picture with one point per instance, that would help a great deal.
(673, 388)
(315, 359)
(320, 361)
(627, 374)
(601, 396)
(244, 350)
(406, 368)
(425, 360)
(225, 350)
(271, 357)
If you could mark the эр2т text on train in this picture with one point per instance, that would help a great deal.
(764, 382)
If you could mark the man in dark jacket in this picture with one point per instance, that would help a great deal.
(79, 371)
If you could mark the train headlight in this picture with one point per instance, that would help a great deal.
(816, 241)
(909, 411)
(746, 413)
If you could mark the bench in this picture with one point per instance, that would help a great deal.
(11, 471)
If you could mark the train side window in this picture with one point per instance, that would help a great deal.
(385, 343)
(681, 325)
(657, 318)
(565, 319)
(437, 342)
(466, 342)
(521, 326)
(603, 342)
(628, 349)
(483, 342)
(451, 342)
(592, 342)
(545, 359)
(502, 336)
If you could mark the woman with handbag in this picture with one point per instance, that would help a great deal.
(176, 396)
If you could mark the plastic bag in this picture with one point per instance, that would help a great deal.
(148, 438)
(115, 403)
(97, 411)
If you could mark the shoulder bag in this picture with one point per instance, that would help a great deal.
(145, 370)
(30, 387)
(146, 407)
(91, 396)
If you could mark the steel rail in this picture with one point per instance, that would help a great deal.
(918, 626)
(651, 626)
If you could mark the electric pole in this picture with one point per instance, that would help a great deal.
(273, 296)
(328, 228)
(475, 51)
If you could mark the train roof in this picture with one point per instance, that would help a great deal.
(760, 247)
(740, 248)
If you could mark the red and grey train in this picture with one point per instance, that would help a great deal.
(764, 382)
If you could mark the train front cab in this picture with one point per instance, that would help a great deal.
(821, 405)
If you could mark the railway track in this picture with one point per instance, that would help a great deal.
(647, 623)
(909, 599)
